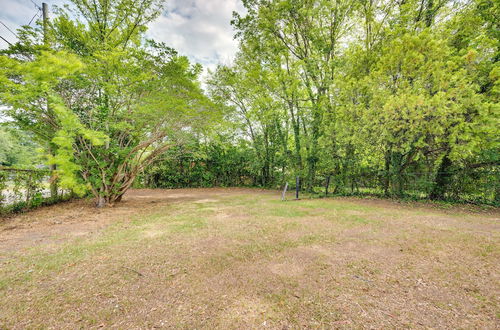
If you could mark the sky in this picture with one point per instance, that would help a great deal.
(199, 29)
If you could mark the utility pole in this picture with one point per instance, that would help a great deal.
(53, 178)
(45, 19)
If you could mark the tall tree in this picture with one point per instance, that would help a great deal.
(116, 101)
(308, 36)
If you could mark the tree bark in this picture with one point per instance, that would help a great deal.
(443, 179)
(387, 174)
(101, 202)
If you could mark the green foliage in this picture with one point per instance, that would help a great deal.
(103, 101)
(217, 163)
(17, 147)
(392, 98)
(23, 189)
(388, 98)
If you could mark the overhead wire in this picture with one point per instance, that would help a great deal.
(37, 14)
(8, 28)
(36, 5)
(39, 10)
(7, 41)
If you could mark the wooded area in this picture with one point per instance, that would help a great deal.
(387, 97)
(390, 106)
(397, 96)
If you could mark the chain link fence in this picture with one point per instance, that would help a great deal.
(477, 186)
(22, 189)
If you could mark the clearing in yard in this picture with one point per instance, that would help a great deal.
(241, 258)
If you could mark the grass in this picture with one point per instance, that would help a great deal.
(242, 258)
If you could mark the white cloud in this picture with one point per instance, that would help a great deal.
(199, 29)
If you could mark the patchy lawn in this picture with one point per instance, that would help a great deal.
(241, 258)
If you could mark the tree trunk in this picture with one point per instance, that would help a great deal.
(397, 165)
(387, 174)
(101, 202)
(53, 182)
(327, 185)
(443, 179)
(53, 179)
(313, 155)
(311, 170)
(296, 136)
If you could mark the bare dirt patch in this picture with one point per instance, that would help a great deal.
(64, 221)
(241, 258)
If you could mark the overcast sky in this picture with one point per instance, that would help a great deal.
(200, 29)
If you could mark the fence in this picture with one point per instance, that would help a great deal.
(480, 185)
(21, 189)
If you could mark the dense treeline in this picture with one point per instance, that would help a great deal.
(102, 100)
(394, 97)
(400, 97)
(196, 165)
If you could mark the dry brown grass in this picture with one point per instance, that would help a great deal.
(240, 258)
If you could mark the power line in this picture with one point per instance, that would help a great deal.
(36, 5)
(8, 29)
(39, 9)
(36, 14)
(7, 41)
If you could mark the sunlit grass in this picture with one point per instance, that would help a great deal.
(328, 246)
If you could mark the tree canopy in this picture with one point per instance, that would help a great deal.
(104, 101)
(372, 96)
(390, 95)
